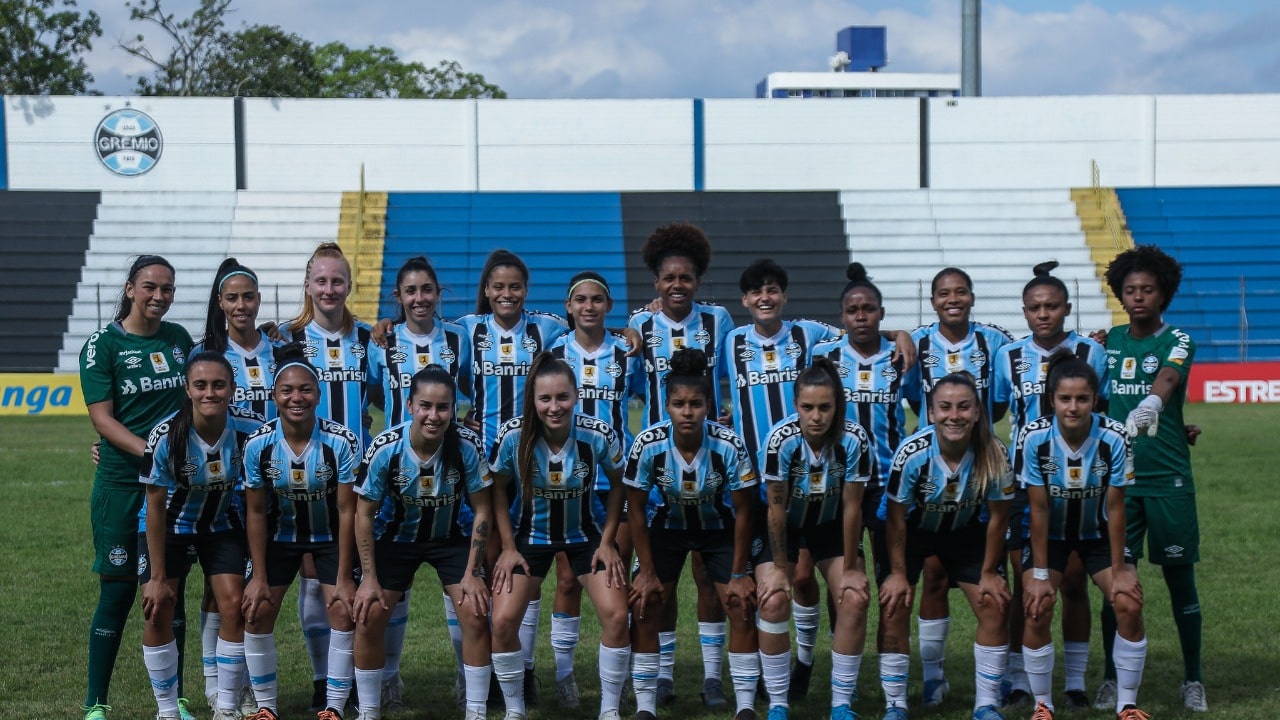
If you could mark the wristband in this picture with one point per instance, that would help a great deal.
(1040, 573)
(737, 576)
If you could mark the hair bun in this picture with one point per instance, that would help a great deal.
(1044, 268)
(856, 272)
(690, 362)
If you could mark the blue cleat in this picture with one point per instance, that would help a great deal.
(987, 712)
(935, 691)
(895, 713)
(779, 712)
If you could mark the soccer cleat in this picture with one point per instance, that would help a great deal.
(745, 714)
(319, 695)
(263, 714)
(666, 692)
(368, 715)
(184, 713)
(644, 715)
(567, 692)
(473, 715)
(935, 691)
(779, 712)
(1076, 700)
(167, 716)
(713, 693)
(1042, 712)
(329, 714)
(610, 715)
(1131, 712)
(212, 699)
(248, 703)
(987, 712)
(514, 716)
(392, 694)
(1017, 698)
(843, 712)
(97, 712)
(226, 715)
(1106, 697)
(1193, 697)
(530, 688)
(895, 713)
(799, 688)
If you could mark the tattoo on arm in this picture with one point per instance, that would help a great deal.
(479, 542)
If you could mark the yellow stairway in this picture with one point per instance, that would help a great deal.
(1106, 233)
(362, 228)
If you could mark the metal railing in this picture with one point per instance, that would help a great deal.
(1110, 211)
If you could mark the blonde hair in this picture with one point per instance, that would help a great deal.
(308, 313)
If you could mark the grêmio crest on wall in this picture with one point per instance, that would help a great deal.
(128, 142)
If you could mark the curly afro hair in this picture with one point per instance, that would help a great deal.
(677, 239)
(1148, 259)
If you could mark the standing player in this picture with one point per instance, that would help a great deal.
(815, 464)
(942, 477)
(1075, 465)
(606, 378)
(954, 343)
(299, 470)
(700, 486)
(1148, 362)
(192, 470)
(131, 373)
(678, 255)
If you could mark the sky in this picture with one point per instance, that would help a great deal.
(722, 48)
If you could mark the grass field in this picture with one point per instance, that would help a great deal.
(49, 593)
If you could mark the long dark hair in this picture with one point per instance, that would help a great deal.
(989, 460)
(180, 425)
(531, 426)
(142, 262)
(451, 444)
(497, 258)
(823, 373)
(416, 264)
(215, 320)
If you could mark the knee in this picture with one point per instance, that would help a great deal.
(568, 585)
(777, 608)
(1126, 607)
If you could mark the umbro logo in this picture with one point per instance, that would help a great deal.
(1174, 551)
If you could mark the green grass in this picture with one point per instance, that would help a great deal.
(49, 594)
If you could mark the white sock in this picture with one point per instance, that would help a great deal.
(1075, 660)
(210, 624)
(162, 668)
(341, 667)
(230, 660)
(988, 670)
(314, 618)
(933, 646)
(564, 642)
(644, 680)
(1130, 658)
(844, 677)
(509, 667)
(614, 663)
(744, 668)
(1039, 665)
(666, 655)
(712, 637)
(369, 691)
(1015, 673)
(455, 629)
(260, 659)
(777, 676)
(397, 626)
(477, 680)
(893, 678)
(806, 620)
(529, 632)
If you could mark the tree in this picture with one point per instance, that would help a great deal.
(42, 48)
(264, 61)
(378, 72)
(185, 70)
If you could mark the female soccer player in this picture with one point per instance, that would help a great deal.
(941, 478)
(192, 469)
(700, 486)
(606, 378)
(1148, 363)
(299, 470)
(410, 486)
(815, 464)
(1019, 383)
(1075, 465)
(131, 373)
(678, 255)
(551, 456)
(338, 345)
(953, 344)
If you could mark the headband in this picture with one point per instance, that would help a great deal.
(298, 363)
(228, 276)
(598, 281)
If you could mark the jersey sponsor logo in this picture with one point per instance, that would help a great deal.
(654, 340)
(1178, 354)
(747, 355)
(303, 496)
(1022, 367)
(702, 336)
(132, 362)
(529, 344)
(432, 501)
(344, 375)
(1076, 493)
(399, 356)
(1150, 363)
(1118, 388)
(492, 369)
(768, 377)
(565, 494)
(483, 343)
(91, 350)
(930, 361)
(128, 388)
(596, 393)
(1028, 389)
(951, 507)
(1174, 551)
(118, 556)
(1049, 467)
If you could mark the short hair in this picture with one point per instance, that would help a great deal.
(760, 272)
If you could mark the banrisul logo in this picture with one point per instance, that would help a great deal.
(128, 142)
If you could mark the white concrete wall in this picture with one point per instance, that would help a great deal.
(1217, 140)
(50, 143)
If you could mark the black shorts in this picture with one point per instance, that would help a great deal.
(961, 552)
(284, 559)
(540, 557)
(221, 553)
(871, 499)
(1095, 554)
(1019, 520)
(398, 562)
(822, 541)
(669, 549)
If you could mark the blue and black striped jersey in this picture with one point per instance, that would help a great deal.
(1076, 480)
(394, 366)
(607, 380)
(500, 361)
(254, 370)
(563, 484)
(815, 483)
(202, 494)
(705, 328)
(420, 498)
(873, 398)
(343, 363)
(939, 499)
(302, 501)
(1020, 376)
(762, 373)
(937, 357)
(687, 495)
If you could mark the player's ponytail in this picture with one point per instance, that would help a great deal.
(531, 426)
(215, 322)
(180, 423)
(823, 373)
(688, 368)
(858, 278)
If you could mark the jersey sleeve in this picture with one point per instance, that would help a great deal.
(858, 450)
(348, 452)
(371, 478)
(466, 378)
(97, 376)
(155, 468)
(818, 332)
(479, 476)
(504, 457)
(377, 361)
(639, 472)
(1181, 353)
(1001, 380)
(1121, 471)
(1001, 486)
(902, 476)
(742, 472)
(611, 454)
(253, 447)
(1028, 472)
(1098, 361)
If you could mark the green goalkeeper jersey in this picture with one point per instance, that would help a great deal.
(1162, 464)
